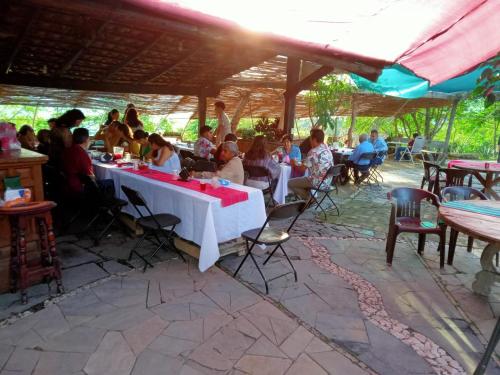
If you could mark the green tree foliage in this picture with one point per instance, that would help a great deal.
(325, 98)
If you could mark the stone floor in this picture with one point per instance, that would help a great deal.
(170, 320)
(349, 313)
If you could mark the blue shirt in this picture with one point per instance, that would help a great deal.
(363, 147)
(295, 152)
(380, 145)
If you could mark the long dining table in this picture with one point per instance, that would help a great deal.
(205, 221)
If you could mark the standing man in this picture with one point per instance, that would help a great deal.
(318, 161)
(224, 125)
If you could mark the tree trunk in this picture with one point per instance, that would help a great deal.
(444, 155)
(352, 125)
(427, 129)
(239, 111)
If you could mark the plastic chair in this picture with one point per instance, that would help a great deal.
(252, 171)
(416, 149)
(405, 217)
(271, 236)
(453, 193)
(153, 224)
(453, 177)
(203, 165)
(334, 173)
(431, 172)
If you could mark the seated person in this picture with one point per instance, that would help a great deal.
(141, 138)
(204, 148)
(233, 167)
(76, 161)
(257, 156)
(43, 137)
(355, 160)
(288, 150)
(401, 149)
(26, 137)
(318, 161)
(228, 138)
(164, 156)
(377, 142)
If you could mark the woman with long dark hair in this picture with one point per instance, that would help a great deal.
(60, 134)
(258, 156)
(132, 120)
(113, 115)
(164, 155)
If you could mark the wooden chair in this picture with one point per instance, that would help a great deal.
(271, 236)
(453, 177)
(155, 224)
(453, 193)
(405, 217)
(431, 172)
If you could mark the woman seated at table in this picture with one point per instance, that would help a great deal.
(141, 139)
(233, 167)
(164, 156)
(257, 156)
(43, 137)
(76, 161)
(116, 134)
(288, 150)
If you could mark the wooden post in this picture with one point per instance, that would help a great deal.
(353, 123)
(292, 77)
(202, 110)
(444, 155)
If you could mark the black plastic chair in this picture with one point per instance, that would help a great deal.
(252, 171)
(431, 173)
(270, 236)
(100, 199)
(152, 224)
(453, 177)
(453, 193)
(367, 175)
(405, 217)
(334, 173)
(186, 154)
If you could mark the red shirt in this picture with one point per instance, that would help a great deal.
(76, 162)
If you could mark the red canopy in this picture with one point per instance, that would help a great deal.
(436, 39)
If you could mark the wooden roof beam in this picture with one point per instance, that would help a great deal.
(34, 17)
(78, 53)
(139, 88)
(184, 57)
(252, 84)
(130, 60)
(308, 81)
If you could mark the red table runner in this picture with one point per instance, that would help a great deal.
(227, 195)
(473, 164)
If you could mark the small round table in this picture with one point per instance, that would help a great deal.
(489, 181)
(483, 227)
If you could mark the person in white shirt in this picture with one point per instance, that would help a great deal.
(224, 125)
(232, 170)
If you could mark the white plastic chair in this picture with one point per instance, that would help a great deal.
(418, 145)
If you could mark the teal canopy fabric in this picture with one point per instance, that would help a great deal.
(398, 81)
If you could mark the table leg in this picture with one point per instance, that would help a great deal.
(489, 274)
(489, 183)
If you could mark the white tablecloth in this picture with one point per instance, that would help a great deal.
(204, 220)
(281, 190)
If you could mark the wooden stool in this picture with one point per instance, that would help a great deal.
(23, 272)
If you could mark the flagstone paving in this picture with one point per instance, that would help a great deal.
(349, 313)
(194, 324)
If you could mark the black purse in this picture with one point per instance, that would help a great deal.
(184, 174)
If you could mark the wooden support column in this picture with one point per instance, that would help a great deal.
(353, 123)
(202, 110)
(453, 112)
(292, 77)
